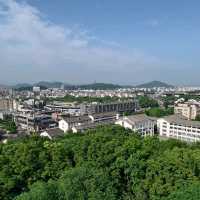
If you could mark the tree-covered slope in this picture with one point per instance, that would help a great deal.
(107, 163)
(155, 84)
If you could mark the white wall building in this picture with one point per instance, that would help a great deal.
(63, 125)
(178, 127)
(141, 123)
(67, 123)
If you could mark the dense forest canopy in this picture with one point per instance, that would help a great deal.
(108, 163)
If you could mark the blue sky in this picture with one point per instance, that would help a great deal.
(126, 42)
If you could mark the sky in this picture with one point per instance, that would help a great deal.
(123, 41)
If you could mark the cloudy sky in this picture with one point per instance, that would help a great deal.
(76, 41)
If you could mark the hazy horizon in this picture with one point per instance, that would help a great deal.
(88, 83)
(78, 42)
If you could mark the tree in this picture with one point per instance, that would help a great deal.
(42, 191)
(79, 183)
(197, 118)
(108, 162)
(158, 112)
(146, 102)
(191, 192)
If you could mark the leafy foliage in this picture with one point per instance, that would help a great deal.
(8, 125)
(108, 163)
(159, 112)
(191, 192)
(146, 102)
(197, 118)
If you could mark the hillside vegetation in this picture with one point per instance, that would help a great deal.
(107, 163)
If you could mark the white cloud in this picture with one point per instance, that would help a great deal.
(34, 49)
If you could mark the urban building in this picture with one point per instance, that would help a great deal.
(140, 123)
(36, 89)
(82, 123)
(63, 107)
(67, 123)
(34, 122)
(190, 109)
(103, 117)
(91, 125)
(119, 107)
(6, 104)
(5, 114)
(52, 133)
(179, 127)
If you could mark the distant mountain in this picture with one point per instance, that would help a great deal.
(153, 84)
(46, 84)
(99, 86)
(93, 86)
(22, 87)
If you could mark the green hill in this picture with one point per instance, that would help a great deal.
(153, 84)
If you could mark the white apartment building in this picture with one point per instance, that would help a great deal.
(189, 109)
(140, 123)
(178, 127)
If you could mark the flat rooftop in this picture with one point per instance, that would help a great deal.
(180, 120)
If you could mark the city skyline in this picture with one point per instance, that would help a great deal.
(121, 43)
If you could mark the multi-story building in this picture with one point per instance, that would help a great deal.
(32, 122)
(140, 123)
(190, 109)
(179, 127)
(6, 104)
(62, 107)
(119, 107)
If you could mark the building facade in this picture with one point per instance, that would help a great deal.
(119, 107)
(141, 124)
(190, 109)
(178, 127)
(34, 123)
(6, 104)
(67, 123)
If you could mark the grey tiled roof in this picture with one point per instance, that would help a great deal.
(54, 132)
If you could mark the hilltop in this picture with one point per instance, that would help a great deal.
(153, 84)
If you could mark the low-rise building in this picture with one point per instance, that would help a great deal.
(103, 117)
(67, 123)
(52, 133)
(82, 123)
(92, 125)
(140, 123)
(179, 127)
